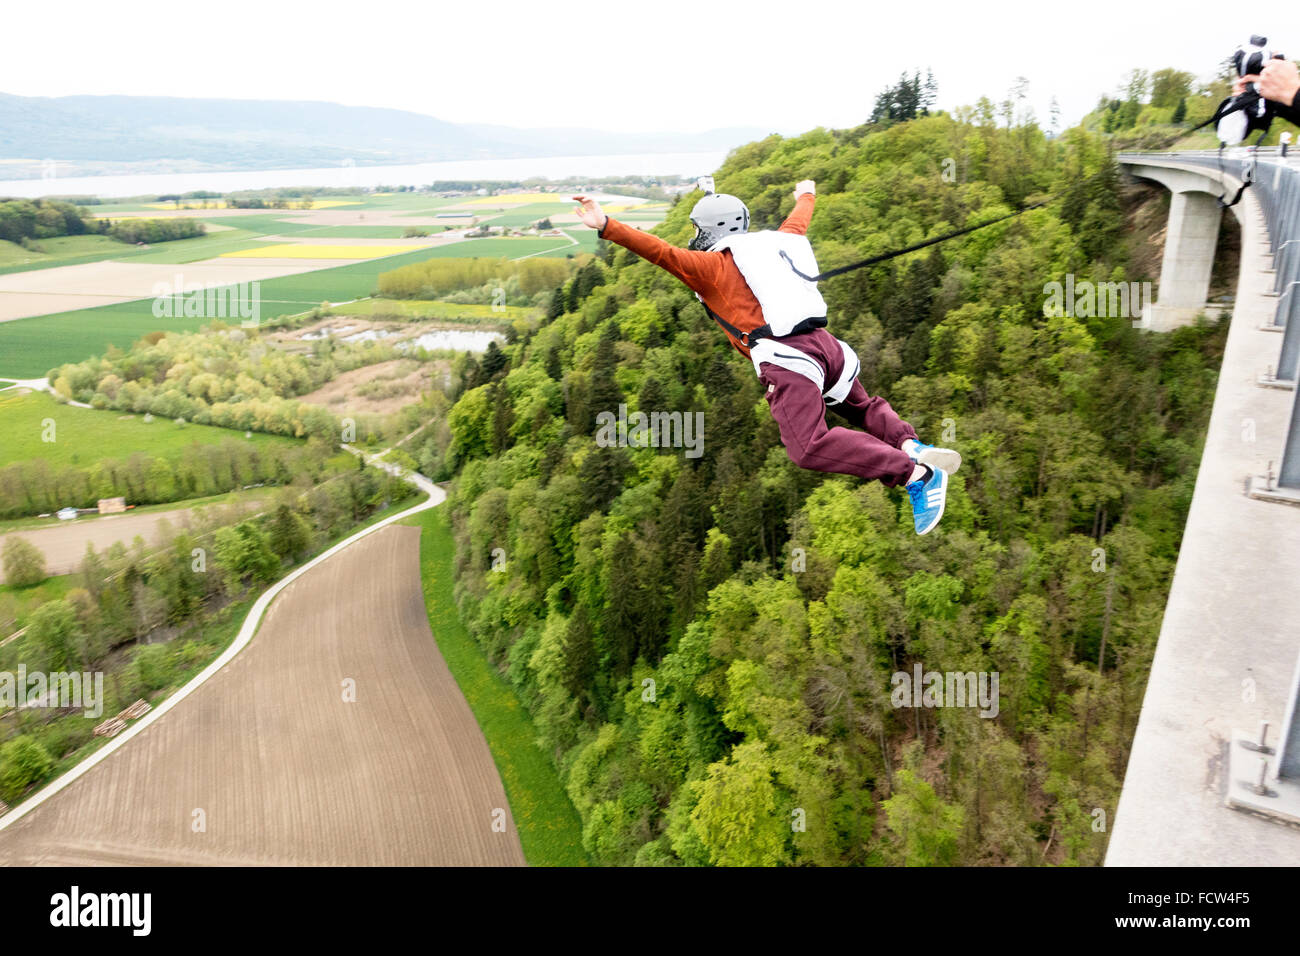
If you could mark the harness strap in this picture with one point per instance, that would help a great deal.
(840, 390)
(784, 355)
(764, 331)
(747, 339)
(1247, 176)
(883, 257)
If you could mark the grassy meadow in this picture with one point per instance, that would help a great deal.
(85, 435)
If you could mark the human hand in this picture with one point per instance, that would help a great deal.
(806, 186)
(590, 213)
(1278, 81)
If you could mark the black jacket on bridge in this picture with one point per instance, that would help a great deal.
(1290, 113)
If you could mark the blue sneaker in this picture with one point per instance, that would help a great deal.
(928, 496)
(945, 459)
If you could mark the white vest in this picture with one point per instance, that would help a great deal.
(786, 299)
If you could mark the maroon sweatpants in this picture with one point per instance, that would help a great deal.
(800, 412)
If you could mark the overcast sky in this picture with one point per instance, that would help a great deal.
(612, 64)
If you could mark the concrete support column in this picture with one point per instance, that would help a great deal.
(1190, 239)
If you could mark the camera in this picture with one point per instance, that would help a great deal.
(1247, 112)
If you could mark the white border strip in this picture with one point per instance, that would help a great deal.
(436, 496)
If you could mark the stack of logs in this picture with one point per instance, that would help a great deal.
(115, 725)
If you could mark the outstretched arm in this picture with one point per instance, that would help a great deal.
(699, 270)
(799, 218)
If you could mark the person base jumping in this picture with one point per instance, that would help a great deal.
(756, 287)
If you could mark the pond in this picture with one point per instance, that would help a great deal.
(325, 333)
(457, 340)
(461, 340)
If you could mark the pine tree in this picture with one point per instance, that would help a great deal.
(555, 306)
(604, 393)
(494, 360)
(579, 655)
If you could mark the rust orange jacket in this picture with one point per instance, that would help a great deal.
(714, 276)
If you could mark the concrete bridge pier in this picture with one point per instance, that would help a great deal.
(1190, 240)
(1191, 236)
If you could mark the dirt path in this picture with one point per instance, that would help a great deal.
(284, 771)
(64, 543)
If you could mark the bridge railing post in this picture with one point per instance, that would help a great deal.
(1289, 473)
(1284, 251)
(1286, 263)
(1263, 775)
(1287, 766)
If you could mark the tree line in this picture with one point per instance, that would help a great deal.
(27, 220)
(41, 219)
(38, 487)
(154, 230)
(436, 278)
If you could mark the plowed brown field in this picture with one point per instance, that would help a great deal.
(283, 770)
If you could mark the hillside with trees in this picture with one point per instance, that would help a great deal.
(1149, 109)
(706, 644)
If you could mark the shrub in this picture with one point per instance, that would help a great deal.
(24, 563)
(23, 762)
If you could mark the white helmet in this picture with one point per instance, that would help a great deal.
(716, 216)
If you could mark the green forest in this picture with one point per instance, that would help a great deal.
(706, 644)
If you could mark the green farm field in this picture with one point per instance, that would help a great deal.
(361, 231)
(77, 250)
(31, 347)
(521, 216)
(236, 232)
(60, 247)
(201, 247)
(85, 435)
(61, 251)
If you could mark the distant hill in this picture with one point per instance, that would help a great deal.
(285, 133)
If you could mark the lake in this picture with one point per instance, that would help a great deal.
(550, 167)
